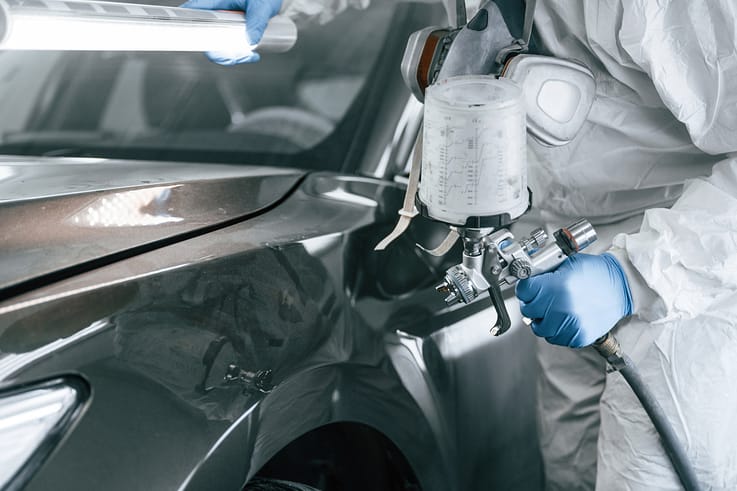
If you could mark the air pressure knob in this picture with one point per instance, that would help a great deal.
(520, 269)
(535, 241)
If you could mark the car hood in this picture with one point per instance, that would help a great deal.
(63, 216)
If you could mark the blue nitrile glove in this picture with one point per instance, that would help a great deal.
(577, 303)
(258, 13)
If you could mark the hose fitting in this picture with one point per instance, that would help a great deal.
(609, 348)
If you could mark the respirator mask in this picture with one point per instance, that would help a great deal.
(558, 93)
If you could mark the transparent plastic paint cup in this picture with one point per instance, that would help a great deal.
(474, 160)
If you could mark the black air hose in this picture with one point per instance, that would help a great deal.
(610, 349)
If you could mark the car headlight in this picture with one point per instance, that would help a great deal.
(33, 419)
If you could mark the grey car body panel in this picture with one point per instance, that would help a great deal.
(61, 213)
(347, 333)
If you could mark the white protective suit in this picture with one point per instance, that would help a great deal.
(665, 114)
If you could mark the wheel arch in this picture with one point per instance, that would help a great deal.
(343, 453)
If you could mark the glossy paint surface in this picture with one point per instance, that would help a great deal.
(347, 334)
(62, 213)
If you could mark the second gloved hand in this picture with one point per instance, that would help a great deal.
(578, 302)
(258, 13)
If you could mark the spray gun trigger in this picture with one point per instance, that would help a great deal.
(503, 322)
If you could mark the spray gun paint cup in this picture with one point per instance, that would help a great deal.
(474, 152)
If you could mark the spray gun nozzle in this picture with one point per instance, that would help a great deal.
(447, 288)
(443, 288)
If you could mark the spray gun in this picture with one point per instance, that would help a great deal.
(495, 259)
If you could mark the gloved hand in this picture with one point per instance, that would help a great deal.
(577, 303)
(258, 13)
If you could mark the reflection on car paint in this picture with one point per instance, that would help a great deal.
(10, 363)
(119, 218)
(136, 208)
(342, 195)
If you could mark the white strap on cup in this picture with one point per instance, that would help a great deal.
(445, 246)
(408, 211)
(529, 19)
